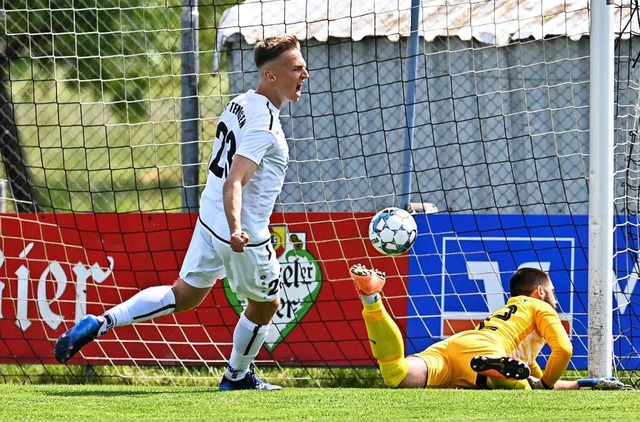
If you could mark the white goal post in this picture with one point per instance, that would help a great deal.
(601, 176)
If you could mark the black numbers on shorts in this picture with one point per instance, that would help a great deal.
(218, 166)
(511, 309)
(274, 285)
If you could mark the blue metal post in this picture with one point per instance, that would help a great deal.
(412, 72)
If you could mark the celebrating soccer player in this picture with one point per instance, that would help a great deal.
(499, 353)
(246, 174)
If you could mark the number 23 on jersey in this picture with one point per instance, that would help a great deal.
(220, 166)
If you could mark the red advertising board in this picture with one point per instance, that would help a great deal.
(54, 268)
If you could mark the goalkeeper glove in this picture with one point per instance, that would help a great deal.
(609, 383)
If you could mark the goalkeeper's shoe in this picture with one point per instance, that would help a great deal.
(505, 367)
(85, 331)
(367, 281)
(249, 382)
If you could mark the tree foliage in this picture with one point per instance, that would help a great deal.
(121, 53)
(114, 46)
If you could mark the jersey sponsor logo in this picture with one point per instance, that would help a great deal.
(300, 283)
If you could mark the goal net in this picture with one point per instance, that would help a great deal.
(485, 131)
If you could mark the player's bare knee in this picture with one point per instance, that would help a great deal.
(403, 373)
(395, 377)
(187, 297)
(275, 304)
(417, 374)
(270, 307)
(261, 312)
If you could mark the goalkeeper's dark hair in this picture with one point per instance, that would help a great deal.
(526, 280)
(271, 48)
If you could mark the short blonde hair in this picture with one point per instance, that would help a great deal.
(272, 47)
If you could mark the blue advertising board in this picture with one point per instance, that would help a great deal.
(461, 265)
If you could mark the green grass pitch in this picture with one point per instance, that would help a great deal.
(159, 403)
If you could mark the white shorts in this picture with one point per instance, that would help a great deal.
(252, 274)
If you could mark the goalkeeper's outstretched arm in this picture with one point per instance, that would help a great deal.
(607, 383)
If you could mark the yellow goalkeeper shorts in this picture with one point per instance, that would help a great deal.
(448, 361)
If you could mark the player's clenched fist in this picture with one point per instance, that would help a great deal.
(238, 241)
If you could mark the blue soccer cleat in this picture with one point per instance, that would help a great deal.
(249, 382)
(84, 332)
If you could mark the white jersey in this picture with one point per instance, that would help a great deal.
(249, 126)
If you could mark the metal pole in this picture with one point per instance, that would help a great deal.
(190, 107)
(3, 196)
(412, 72)
(600, 331)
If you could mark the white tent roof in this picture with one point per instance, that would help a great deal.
(495, 22)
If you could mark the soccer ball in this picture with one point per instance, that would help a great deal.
(392, 231)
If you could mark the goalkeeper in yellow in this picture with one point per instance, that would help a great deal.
(499, 353)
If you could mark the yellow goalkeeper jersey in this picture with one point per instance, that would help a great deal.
(523, 326)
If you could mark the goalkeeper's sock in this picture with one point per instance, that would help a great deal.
(247, 341)
(147, 304)
(370, 299)
(386, 343)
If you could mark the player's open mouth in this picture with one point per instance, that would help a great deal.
(299, 89)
